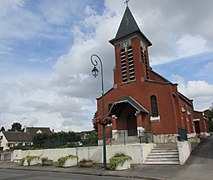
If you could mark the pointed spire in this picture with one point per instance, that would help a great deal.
(126, 2)
(128, 26)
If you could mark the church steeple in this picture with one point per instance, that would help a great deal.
(131, 52)
(128, 26)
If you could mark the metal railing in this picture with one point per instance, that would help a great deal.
(123, 137)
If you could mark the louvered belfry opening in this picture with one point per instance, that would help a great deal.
(127, 64)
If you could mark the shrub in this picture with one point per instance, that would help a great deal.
(46, 162)
(118, 159)
(86, 163)
(28, 158)
(62, 160)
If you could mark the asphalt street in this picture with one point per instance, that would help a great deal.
(9, 174)
(199, 166)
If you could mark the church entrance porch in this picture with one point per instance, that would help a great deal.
(129, 120)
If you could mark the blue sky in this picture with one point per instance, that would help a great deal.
(45, 49)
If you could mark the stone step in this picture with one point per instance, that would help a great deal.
(163, 155)
(162, 159)
(163, 163)
(164, 150)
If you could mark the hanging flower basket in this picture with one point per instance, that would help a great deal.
(104, 121)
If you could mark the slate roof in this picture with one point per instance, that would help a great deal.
(129, 26)
(33, 130)
(127, 99)
(17, 136)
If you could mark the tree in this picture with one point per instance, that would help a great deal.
(39, 139)
(95, 126)
(92, 139)
(209, 114)
(16, 127)
(2, 129)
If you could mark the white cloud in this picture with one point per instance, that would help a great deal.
(199, 91)
(65, 98)
(189, 45)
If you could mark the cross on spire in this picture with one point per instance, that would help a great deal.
(126, 2)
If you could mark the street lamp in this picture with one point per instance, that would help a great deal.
(95, 74)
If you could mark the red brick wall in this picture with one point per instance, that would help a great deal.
(202, 122)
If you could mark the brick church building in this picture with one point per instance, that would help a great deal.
(142, 100)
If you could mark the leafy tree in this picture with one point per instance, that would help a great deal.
(92, 139)
(209, 114)
(2, 129)
(60, 139)
(95, 126)
(16, 127)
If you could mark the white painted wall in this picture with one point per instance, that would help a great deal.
(138, 152)
(4, 141)
(185, 149)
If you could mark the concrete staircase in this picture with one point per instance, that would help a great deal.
(163, 154)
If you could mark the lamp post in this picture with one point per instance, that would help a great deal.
(95, 74)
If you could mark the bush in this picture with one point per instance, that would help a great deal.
(62, 160)
(28, 158)
(86, 163)
(118, 158)
(46, 162)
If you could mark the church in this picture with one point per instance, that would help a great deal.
(142, 100)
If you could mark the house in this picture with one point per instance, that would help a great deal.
(10, 139)
(143, 100)
(37, 130)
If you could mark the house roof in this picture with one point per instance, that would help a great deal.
(129, 100)
(34, 130)
(129, 26)
(17, 136)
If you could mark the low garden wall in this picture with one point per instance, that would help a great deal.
(137, 152)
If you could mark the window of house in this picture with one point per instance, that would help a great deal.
(154, 106)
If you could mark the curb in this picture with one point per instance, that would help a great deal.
(105, 173)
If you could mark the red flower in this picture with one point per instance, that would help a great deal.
(104, 121)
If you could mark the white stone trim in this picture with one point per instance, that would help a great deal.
(183, 109)
(155, 119)
(140, 130)
(204, 134)
(188, 113)
(191, 135)
(114, 134)
(100, 142)
(198, 119)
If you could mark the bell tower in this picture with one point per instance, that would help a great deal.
(131, 52)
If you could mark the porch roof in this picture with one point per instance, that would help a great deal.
(126, 99)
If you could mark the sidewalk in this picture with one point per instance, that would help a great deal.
(137, 171)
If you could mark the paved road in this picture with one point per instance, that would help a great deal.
(199, 166)
(9, 174)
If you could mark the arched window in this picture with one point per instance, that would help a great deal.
(154, 106)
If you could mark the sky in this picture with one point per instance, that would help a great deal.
(46, 45)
